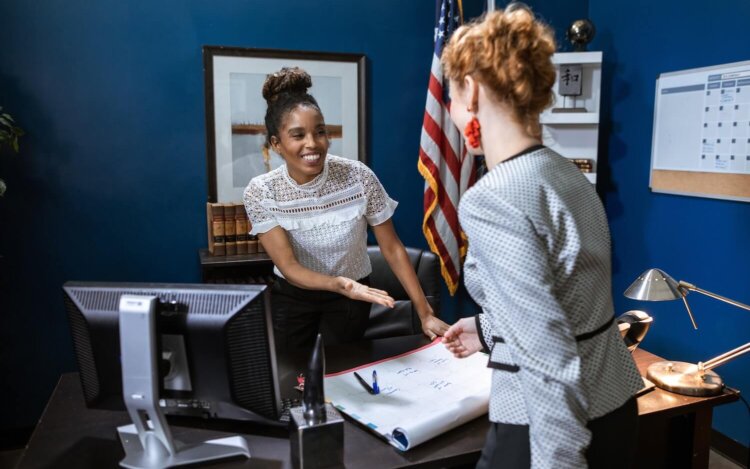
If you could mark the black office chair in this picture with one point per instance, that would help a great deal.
(403, 318)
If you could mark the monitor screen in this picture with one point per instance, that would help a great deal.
(215, 342)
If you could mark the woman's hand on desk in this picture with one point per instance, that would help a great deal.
(358, 291)
(462, 339)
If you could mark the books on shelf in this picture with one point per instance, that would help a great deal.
(584, 164)
(228, 230)
(230, 235)
(241, 224)
(252, 244)
(215, 222)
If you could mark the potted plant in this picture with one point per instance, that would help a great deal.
(9, 134)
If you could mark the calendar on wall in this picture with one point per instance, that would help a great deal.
(701, 132)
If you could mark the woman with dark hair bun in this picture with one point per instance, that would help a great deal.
(311, 215)
(538, 264)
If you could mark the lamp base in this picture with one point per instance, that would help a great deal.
(684, 378)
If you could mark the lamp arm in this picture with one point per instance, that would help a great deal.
(689, 311)
(691, 287)
(725, 357)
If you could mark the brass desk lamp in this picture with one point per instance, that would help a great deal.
(681, 377)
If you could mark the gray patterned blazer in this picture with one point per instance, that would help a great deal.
(539, 266)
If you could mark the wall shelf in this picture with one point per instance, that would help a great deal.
(572, 134)
(563, 118)
(594, 58)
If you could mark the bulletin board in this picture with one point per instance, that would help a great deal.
(701, 134)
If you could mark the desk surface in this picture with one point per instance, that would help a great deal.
(70, 435)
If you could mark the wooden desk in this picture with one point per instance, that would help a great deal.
(70, 435)
(675, 430)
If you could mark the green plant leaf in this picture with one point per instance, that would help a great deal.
(9, 131)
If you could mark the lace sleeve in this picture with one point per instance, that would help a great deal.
(261, 219)
(380, 206)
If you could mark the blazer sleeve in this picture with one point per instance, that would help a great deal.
(520, 301)
(484, 330)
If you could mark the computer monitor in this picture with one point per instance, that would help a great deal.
(215, 344)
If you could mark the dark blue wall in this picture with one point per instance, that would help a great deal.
(111, 181)
(702, 241)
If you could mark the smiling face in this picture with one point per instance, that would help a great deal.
(303, 142)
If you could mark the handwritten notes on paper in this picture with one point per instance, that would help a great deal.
(423, 393)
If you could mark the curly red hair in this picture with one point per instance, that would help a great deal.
(510, 53)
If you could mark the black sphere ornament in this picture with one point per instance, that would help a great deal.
(580, 33)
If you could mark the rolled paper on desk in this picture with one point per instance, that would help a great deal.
(443, 419)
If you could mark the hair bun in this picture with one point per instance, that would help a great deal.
(290, 80)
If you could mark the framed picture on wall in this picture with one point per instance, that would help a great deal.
(235, 110)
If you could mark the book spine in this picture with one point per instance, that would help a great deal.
(240, 227)
(252, 240)
(217, 242)
(585, 165)
(210, 227)
(230, 234)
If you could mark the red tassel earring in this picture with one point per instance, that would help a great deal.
(473, 133)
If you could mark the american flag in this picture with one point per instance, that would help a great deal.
(443, 162)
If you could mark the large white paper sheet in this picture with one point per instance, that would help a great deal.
(423, 393)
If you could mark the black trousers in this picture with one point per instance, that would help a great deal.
(613, 442)
(299, 314)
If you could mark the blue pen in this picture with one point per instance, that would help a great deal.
(375, 387)
(364, 383)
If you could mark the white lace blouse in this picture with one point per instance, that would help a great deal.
(325, 219)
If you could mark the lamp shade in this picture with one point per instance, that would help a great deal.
(654, 285)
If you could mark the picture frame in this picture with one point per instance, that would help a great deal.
(235, 110)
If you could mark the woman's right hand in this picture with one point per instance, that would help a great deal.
(462, 338)
(357, 291)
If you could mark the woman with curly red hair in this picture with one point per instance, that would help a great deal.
(538, 263)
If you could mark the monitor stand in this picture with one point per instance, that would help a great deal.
(148, 442)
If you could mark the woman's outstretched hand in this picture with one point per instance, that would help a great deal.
(433, 327)
(357, 291)
(462, 339)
